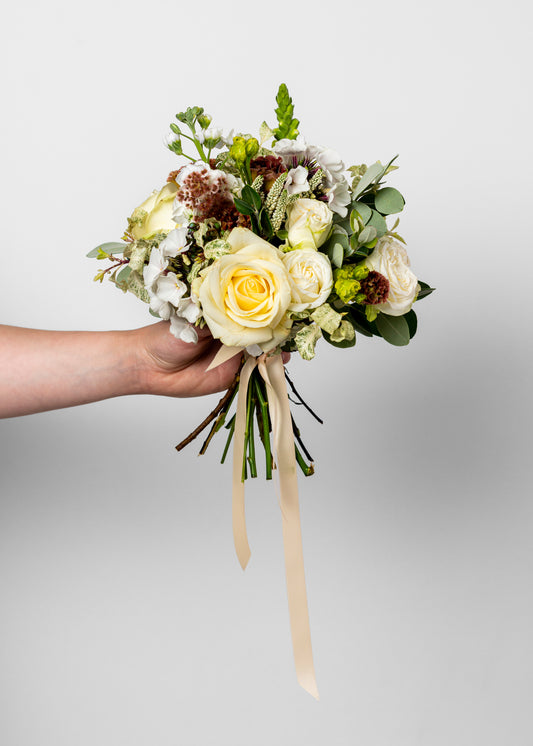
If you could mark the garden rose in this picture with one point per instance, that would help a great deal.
(245, 294)
(391, 260)
(154, 215)
(308, 223)
(310, 278)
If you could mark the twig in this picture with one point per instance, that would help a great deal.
(296, 433)
(210, 417)
(301, 400)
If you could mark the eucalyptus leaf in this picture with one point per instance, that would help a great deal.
(394, 329)
(123, 274)
(378, 222)
(336, 254)
(389, 201)
(368, 178)
(367, 234)
(363, 210)
(113, 247)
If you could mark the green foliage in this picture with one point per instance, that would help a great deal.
(287, 125)
(393, 329)
(104, 250)
(389, 201)
(425, 290)
(412, 322)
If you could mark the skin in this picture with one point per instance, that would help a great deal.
(44, 370)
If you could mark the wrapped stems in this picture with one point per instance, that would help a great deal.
(257, 412)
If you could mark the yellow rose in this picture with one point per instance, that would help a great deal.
(154, 215)
(308, 223)
(245, 294)
(310, 278)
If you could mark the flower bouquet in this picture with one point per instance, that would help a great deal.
(272, 243)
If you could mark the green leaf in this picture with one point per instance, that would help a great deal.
(359, 321)
(378, 222)
(425, 290)
(389, 201)
(243, 207)
(364, 211)
(123, 274)
(368, 178)
(343, 343)
(288, 126)
(367, 234)
(266, 224)
(412, 322)
(250, 196)
(336, 254)
(394, 329)
(109, 248)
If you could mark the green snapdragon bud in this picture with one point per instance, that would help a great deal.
(204, 120)
(238, 150)
(252, 147)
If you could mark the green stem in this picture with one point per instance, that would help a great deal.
(263, 404)
(251, 441)
(231, 427)
(198, 145)
(307, 470)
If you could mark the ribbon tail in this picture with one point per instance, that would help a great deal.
(272, 372)
(224, 354)
(240, 536)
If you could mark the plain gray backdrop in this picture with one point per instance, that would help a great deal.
(125, 617)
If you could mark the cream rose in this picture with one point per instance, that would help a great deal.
(154, 215)
(310, 278)
(245, 294)
(308, 223)
(391, 260)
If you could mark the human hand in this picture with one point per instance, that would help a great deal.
(170, 367)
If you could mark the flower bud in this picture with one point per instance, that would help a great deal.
(204, 120)
(252, 147)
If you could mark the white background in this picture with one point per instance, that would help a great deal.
(125, 617)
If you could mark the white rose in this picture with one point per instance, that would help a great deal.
(391, 260)
(308, 223)
(245, 294)
(154, 215)
(310, 278)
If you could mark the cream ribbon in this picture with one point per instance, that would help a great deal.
(272, 372)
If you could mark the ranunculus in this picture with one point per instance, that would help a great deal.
(154, 215)
(245, 295)
(391, 260)
(310, 278)
(308, 223)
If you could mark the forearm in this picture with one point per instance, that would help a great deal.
(42, 370)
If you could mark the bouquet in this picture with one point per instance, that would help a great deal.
(272, 243)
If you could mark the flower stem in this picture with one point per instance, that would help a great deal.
(307, 470)
(231, 427)
(265, 430)
(250, 426)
